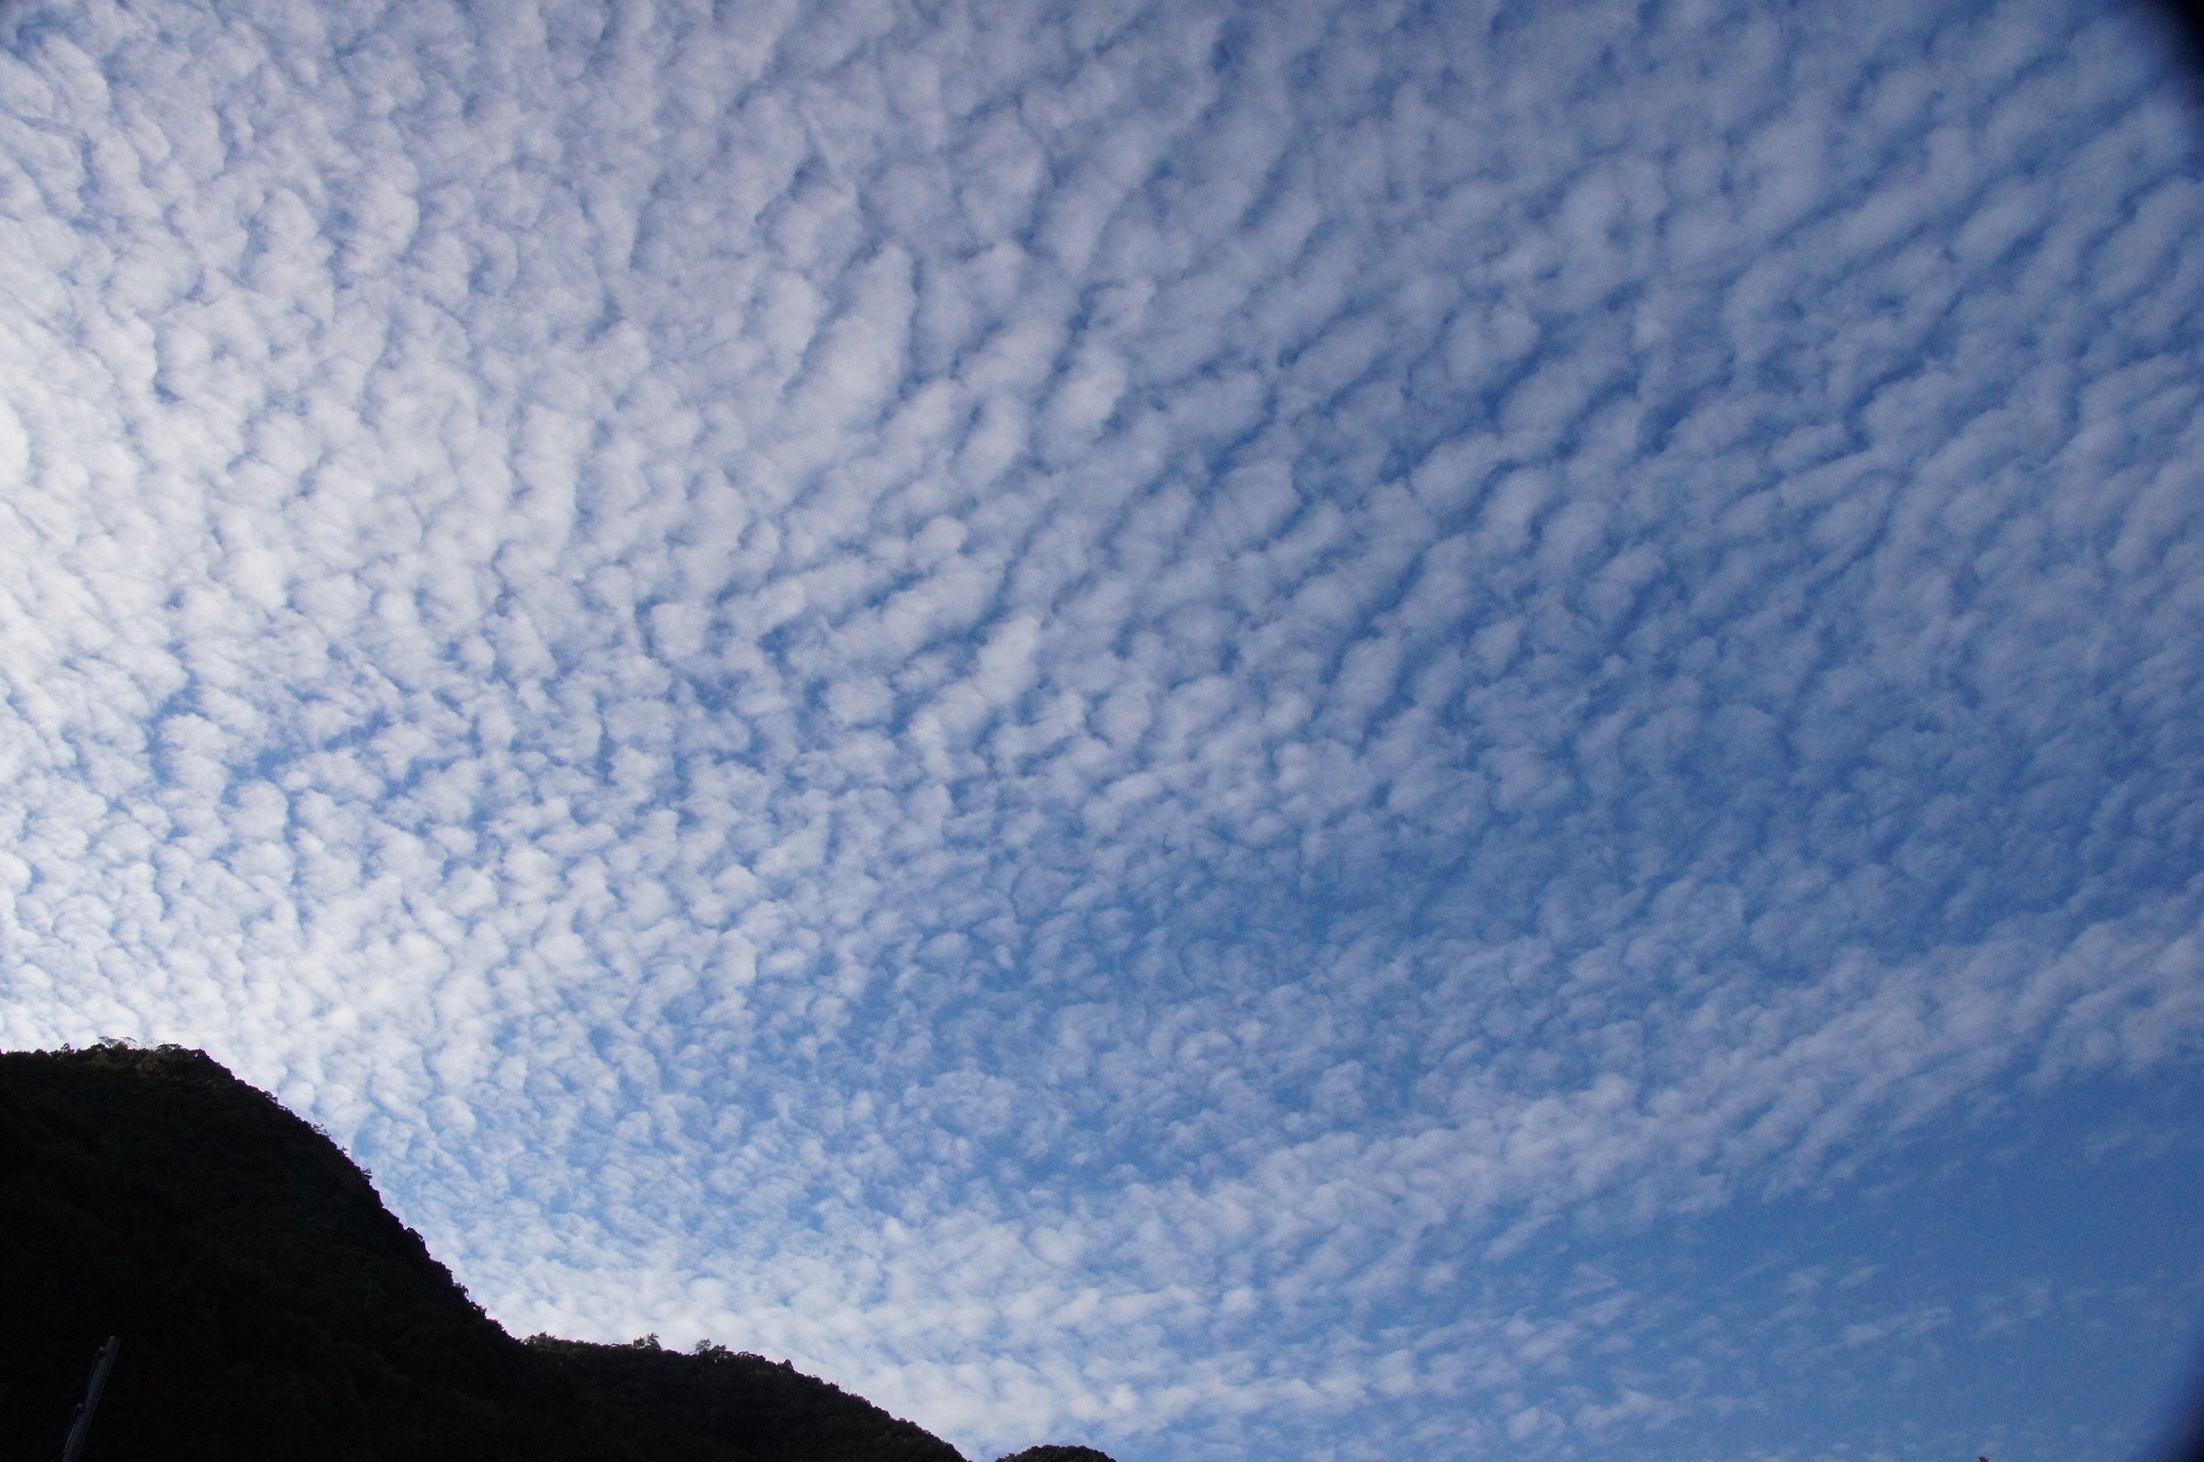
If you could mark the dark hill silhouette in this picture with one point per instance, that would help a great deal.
(270, 1307)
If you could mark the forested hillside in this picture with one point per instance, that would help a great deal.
(269, 1306)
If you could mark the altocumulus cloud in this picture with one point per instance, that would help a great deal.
(1081, 710)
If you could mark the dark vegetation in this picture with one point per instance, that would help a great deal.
(270, 1307)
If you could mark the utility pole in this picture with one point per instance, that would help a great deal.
(81, 1426)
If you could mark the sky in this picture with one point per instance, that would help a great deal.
(1293, 730)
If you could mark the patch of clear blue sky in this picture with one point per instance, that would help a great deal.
(2029, 1287)
(2024, 1280)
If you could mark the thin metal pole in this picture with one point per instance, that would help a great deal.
(81, 1427)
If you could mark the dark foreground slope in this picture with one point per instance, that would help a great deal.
(270, 1307)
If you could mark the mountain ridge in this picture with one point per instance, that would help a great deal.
(270, 1306)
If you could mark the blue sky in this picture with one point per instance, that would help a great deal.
(1338, 732)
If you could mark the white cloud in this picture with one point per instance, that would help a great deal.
(1085, 714)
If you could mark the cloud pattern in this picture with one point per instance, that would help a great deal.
(1089, 712)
